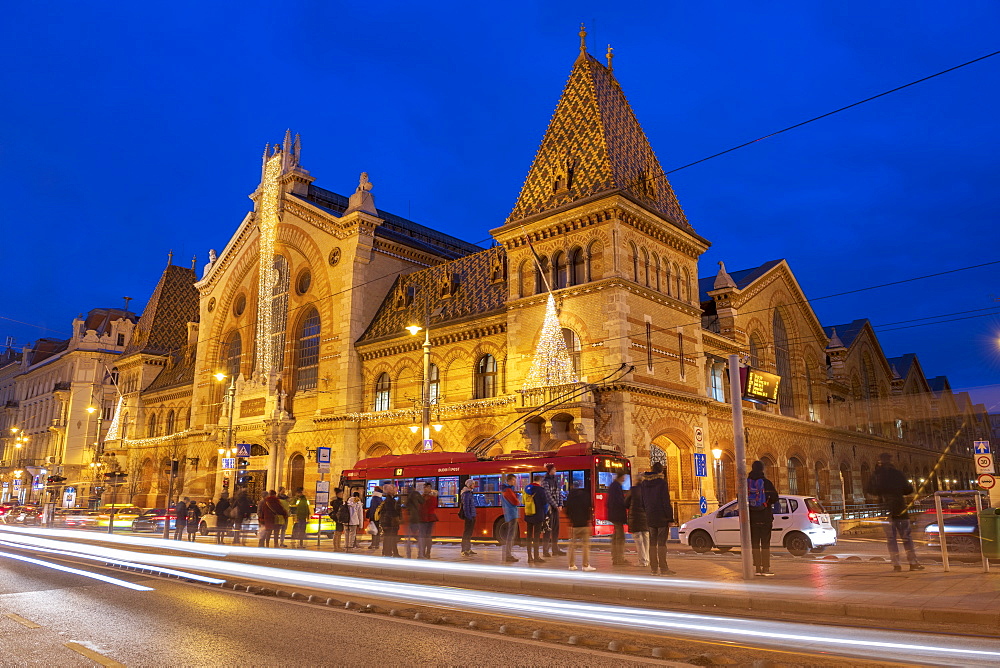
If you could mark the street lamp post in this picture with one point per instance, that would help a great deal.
(231, 403)
(425, 390)
(717, 459)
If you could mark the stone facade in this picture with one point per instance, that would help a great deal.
(303, 316)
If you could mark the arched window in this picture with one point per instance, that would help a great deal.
(170, 422)
(382, 387)
(307, 349)
(677, 282)
(524, 279)
(635, 262)
(687, 285)
(595, 261)
(794, 467)
(151, 425)
(379, 450)
(755, 350)
(656, 272)
(541, 272)
(783, 365)
(576, 267)
(559, 270)
(279, 312)
(573, 347)
(296, 472)
(124, 426)
(486, 377)
(232, 355)
(434, 384)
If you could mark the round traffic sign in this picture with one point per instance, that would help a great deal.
(984, 461)
(987, 480)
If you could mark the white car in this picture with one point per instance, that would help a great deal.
(800, 525)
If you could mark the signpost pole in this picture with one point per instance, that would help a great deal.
(736, 395)
(942, 536)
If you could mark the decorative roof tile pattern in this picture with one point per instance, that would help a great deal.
(163, 325)
(179, 371)
(471, 286)
(594, 145)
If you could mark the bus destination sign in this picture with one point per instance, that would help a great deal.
(759, 386)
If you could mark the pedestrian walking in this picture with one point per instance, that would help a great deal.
(268, 509)
(637, 523)
(580, 512)
(355, 517)
(389, 518)
(511, 512)
(180, 518)
(282, 522)
(372, 520)
(761, 497)
(222, 520)
(414, 511)
(659, 516)
(428, 518)
(467, 512)
(617, 514)
(193, 520)
(536, 511)
(891, 486)
(300, 512)
(553, 496)
(240, 514)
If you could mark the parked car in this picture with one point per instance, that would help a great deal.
(962, 532)
(153, 519)
(123, 514)
(800, 525)
(208, 525)
(75, 518)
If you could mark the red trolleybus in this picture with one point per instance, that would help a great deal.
(448, 471)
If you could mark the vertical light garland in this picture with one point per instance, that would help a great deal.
(268, 226)
(114, 428)
(552, 364)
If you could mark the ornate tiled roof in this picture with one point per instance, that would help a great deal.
(163, 325)
(178, 372)
(594, 145)
(742, 278)
(848, 332)
(472, 286)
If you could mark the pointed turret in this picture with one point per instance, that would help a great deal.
(593, 147)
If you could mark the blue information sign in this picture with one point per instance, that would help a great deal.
(242, 449)
(703, 505)
(700, 465)
(981, 447)
(229, 462)
(323, 455)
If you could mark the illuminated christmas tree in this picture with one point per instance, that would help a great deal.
(552, 364)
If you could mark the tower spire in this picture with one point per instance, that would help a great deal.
(583, 39)
(610, 56)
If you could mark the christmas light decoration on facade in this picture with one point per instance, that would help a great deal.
(114, 429)
(268, 224)
(552, 364)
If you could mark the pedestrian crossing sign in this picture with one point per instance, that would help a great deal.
(242, 449)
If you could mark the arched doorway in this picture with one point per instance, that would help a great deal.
(796, 476)
(678, 469)
(378, 450)
(296, 472)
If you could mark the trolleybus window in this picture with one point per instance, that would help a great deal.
(448, 491)
(487, 491)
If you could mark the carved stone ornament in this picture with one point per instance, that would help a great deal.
(334, 257)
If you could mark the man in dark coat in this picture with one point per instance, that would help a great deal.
(761, 499)
(180, 518)
(618, 515)
(389, 519)
(637, 523)
(222, 519)
(890, 485)
(659, 516)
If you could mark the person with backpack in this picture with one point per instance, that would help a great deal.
(890, 485)
(467, 513)
(554, 499)
(281, 528)
(761, 498)
(511, 512)
(240, 512)
(536, 509)
(301, 512)
(373, 505)
(193, 520)
(267, 510)
(637, 523)
(659, 516)
(414, 510)
(333, 510)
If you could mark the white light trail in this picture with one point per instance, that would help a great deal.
(903, 646)
(77, 571)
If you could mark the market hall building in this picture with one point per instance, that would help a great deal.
(294, 337)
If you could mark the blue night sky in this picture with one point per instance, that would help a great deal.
(129, 129)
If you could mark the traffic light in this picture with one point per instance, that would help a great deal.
(173, 467)
(225, 483)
